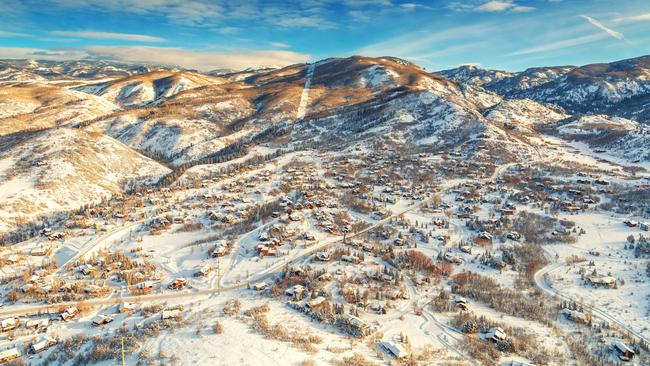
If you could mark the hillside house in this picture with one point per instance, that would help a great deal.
(43, 344)
(92, 289)
(295, 291)
(631, 223)
(351, 259)
(623, 352)
(496, 334)
(40, 251)
(461, 303)
(451, 258)
(69, 314)
(101, 320)
(38, 324)
(325, 277)
(125, 307)
(204, 270)
(575, 316)
(8, 324)
(219, 250)
(170, 314)
(178, 283)
(9, 354)
(354, 326)
(602, 281)
(323, 256)
(316, 302)
(394, 349)
(483, 238)
(260, 286)
(145, 286)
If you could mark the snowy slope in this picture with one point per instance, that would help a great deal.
(35, 106)
(148, 88)
(524, 113)
(475, 75)
(61, 169)
(620, 137)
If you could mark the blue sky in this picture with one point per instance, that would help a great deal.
(437, 34)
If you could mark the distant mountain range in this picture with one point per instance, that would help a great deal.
(619, 88)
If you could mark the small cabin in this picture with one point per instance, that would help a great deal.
(351, 259)
(461, 303)
(602, 281)
(496, 334)
(395, 349)
(126, 307)
(9, 354)
(170, 314)
(43, 344)
(204, 270)
(178, 283)
(69, 314)
(101, 320)
(8, 324)
(260, 286)
(623, 352)
(314, 303)
(295, 291)
(575, 316)
(323, 256)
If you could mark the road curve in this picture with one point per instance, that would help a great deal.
(543, 285)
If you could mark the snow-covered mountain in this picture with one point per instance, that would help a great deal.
(620, 137)
(30, 106)
(34, 70)
(98, 118)
(146, 88)
(475, 75)
(620, 88)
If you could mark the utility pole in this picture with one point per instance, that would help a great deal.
(218, 275)
(123, 362)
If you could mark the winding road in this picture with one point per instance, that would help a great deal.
(542, 284)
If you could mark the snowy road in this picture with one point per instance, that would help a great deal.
(542, 284)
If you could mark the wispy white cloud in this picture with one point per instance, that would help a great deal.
(187, 12)
(13, 34)
(634, 18)
(201, 60)
(423, 45)
(42, 54)
(304, 21)
(228, 30)
(280, 44)
(522, 9)
(601, 26)
(215, 13)
(492, 6)
(362, 3)
(552, 46)
(109, 35)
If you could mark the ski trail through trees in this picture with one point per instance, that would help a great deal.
(304, 97)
